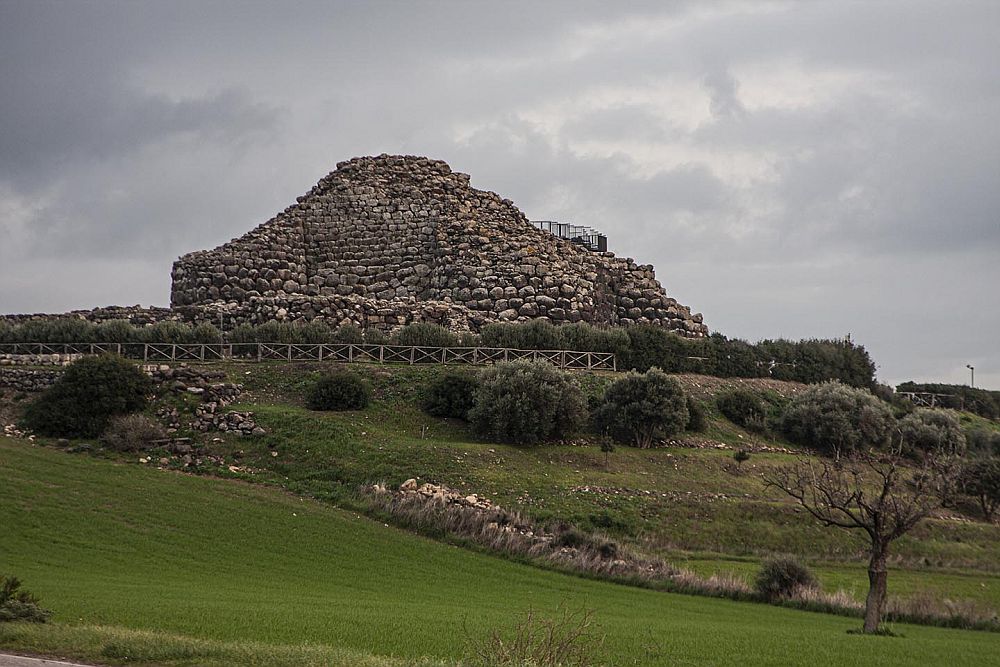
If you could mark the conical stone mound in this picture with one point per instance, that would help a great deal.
(388, 240)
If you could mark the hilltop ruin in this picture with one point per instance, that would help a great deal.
(388, 240)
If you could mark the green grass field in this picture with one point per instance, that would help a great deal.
(224, 570)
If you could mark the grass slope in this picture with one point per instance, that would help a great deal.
(686, 504)
(118, 545)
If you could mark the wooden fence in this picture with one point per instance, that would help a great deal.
(346, 352)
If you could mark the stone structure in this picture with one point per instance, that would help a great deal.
(388, 240)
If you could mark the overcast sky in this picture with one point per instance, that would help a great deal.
(791, 169)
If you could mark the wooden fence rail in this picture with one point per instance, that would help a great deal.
(347, 352)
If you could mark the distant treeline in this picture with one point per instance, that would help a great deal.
(640, 347)
(982, 402)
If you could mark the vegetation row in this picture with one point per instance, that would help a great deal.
(640, 347)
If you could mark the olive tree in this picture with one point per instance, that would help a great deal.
(871, 492)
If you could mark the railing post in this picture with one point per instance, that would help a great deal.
(260, 349)
(381, 354)
(289, 351)
(173, 352)
(201, 351)
(413, 353)
(145, 352)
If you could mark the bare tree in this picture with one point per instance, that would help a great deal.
(869, 491)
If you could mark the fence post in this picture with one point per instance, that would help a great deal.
(145, 352)
(201, 351)
(413, 353)
(173, 352)
(289, 351)
(259, 350)
(381, 354)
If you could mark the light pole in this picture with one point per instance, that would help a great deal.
(972, 371)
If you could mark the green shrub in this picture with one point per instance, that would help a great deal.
(983, 441)
(741, 456)
(129, 433)
(983, 402)
(697, 422)
(450, 395)
(834, 418)
(929, 431)
(116, 331)
(526, 402)
(424, 334)
(780, 577)
(744, 408)
(642, 407)
(980, 480)
(19, 605)
(340, 390)
(349, 333)
(85, 398)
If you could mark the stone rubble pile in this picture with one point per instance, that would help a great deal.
(215, 396)
(384, 241)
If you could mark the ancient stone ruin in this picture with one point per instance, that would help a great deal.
(388, 240)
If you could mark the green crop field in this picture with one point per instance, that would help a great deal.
(148, 565)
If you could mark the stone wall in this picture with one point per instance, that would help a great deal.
(384, 241)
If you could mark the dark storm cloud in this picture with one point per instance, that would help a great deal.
(798, 169)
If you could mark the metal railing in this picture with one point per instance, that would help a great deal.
(345, 352)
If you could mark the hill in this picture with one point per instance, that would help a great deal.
(180, 569)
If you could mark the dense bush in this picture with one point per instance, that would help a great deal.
(19, 605)
(808, 361)
(697, 421)
(450, 395)
(835, 419)
(928, 431)
(85, 398)
(641, 407)
(780, 577)
(984, 441)
(980, 480)
(526, 402)
(424, 334)
(129, 433)
(743, 407)
(340, 390)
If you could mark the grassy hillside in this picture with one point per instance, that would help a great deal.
(689, 504)
(222, 568)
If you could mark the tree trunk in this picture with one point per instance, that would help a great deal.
(878, 577)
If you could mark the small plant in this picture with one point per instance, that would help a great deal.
(607, 446)
(743, 408)
(19, 605)
(340, 390)
(129, 433)
(741, 456)
(527, 403)
(696, 416)
(642, 407)
(566, 640)
(779, 578)
(89, 394)
(450, 395)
